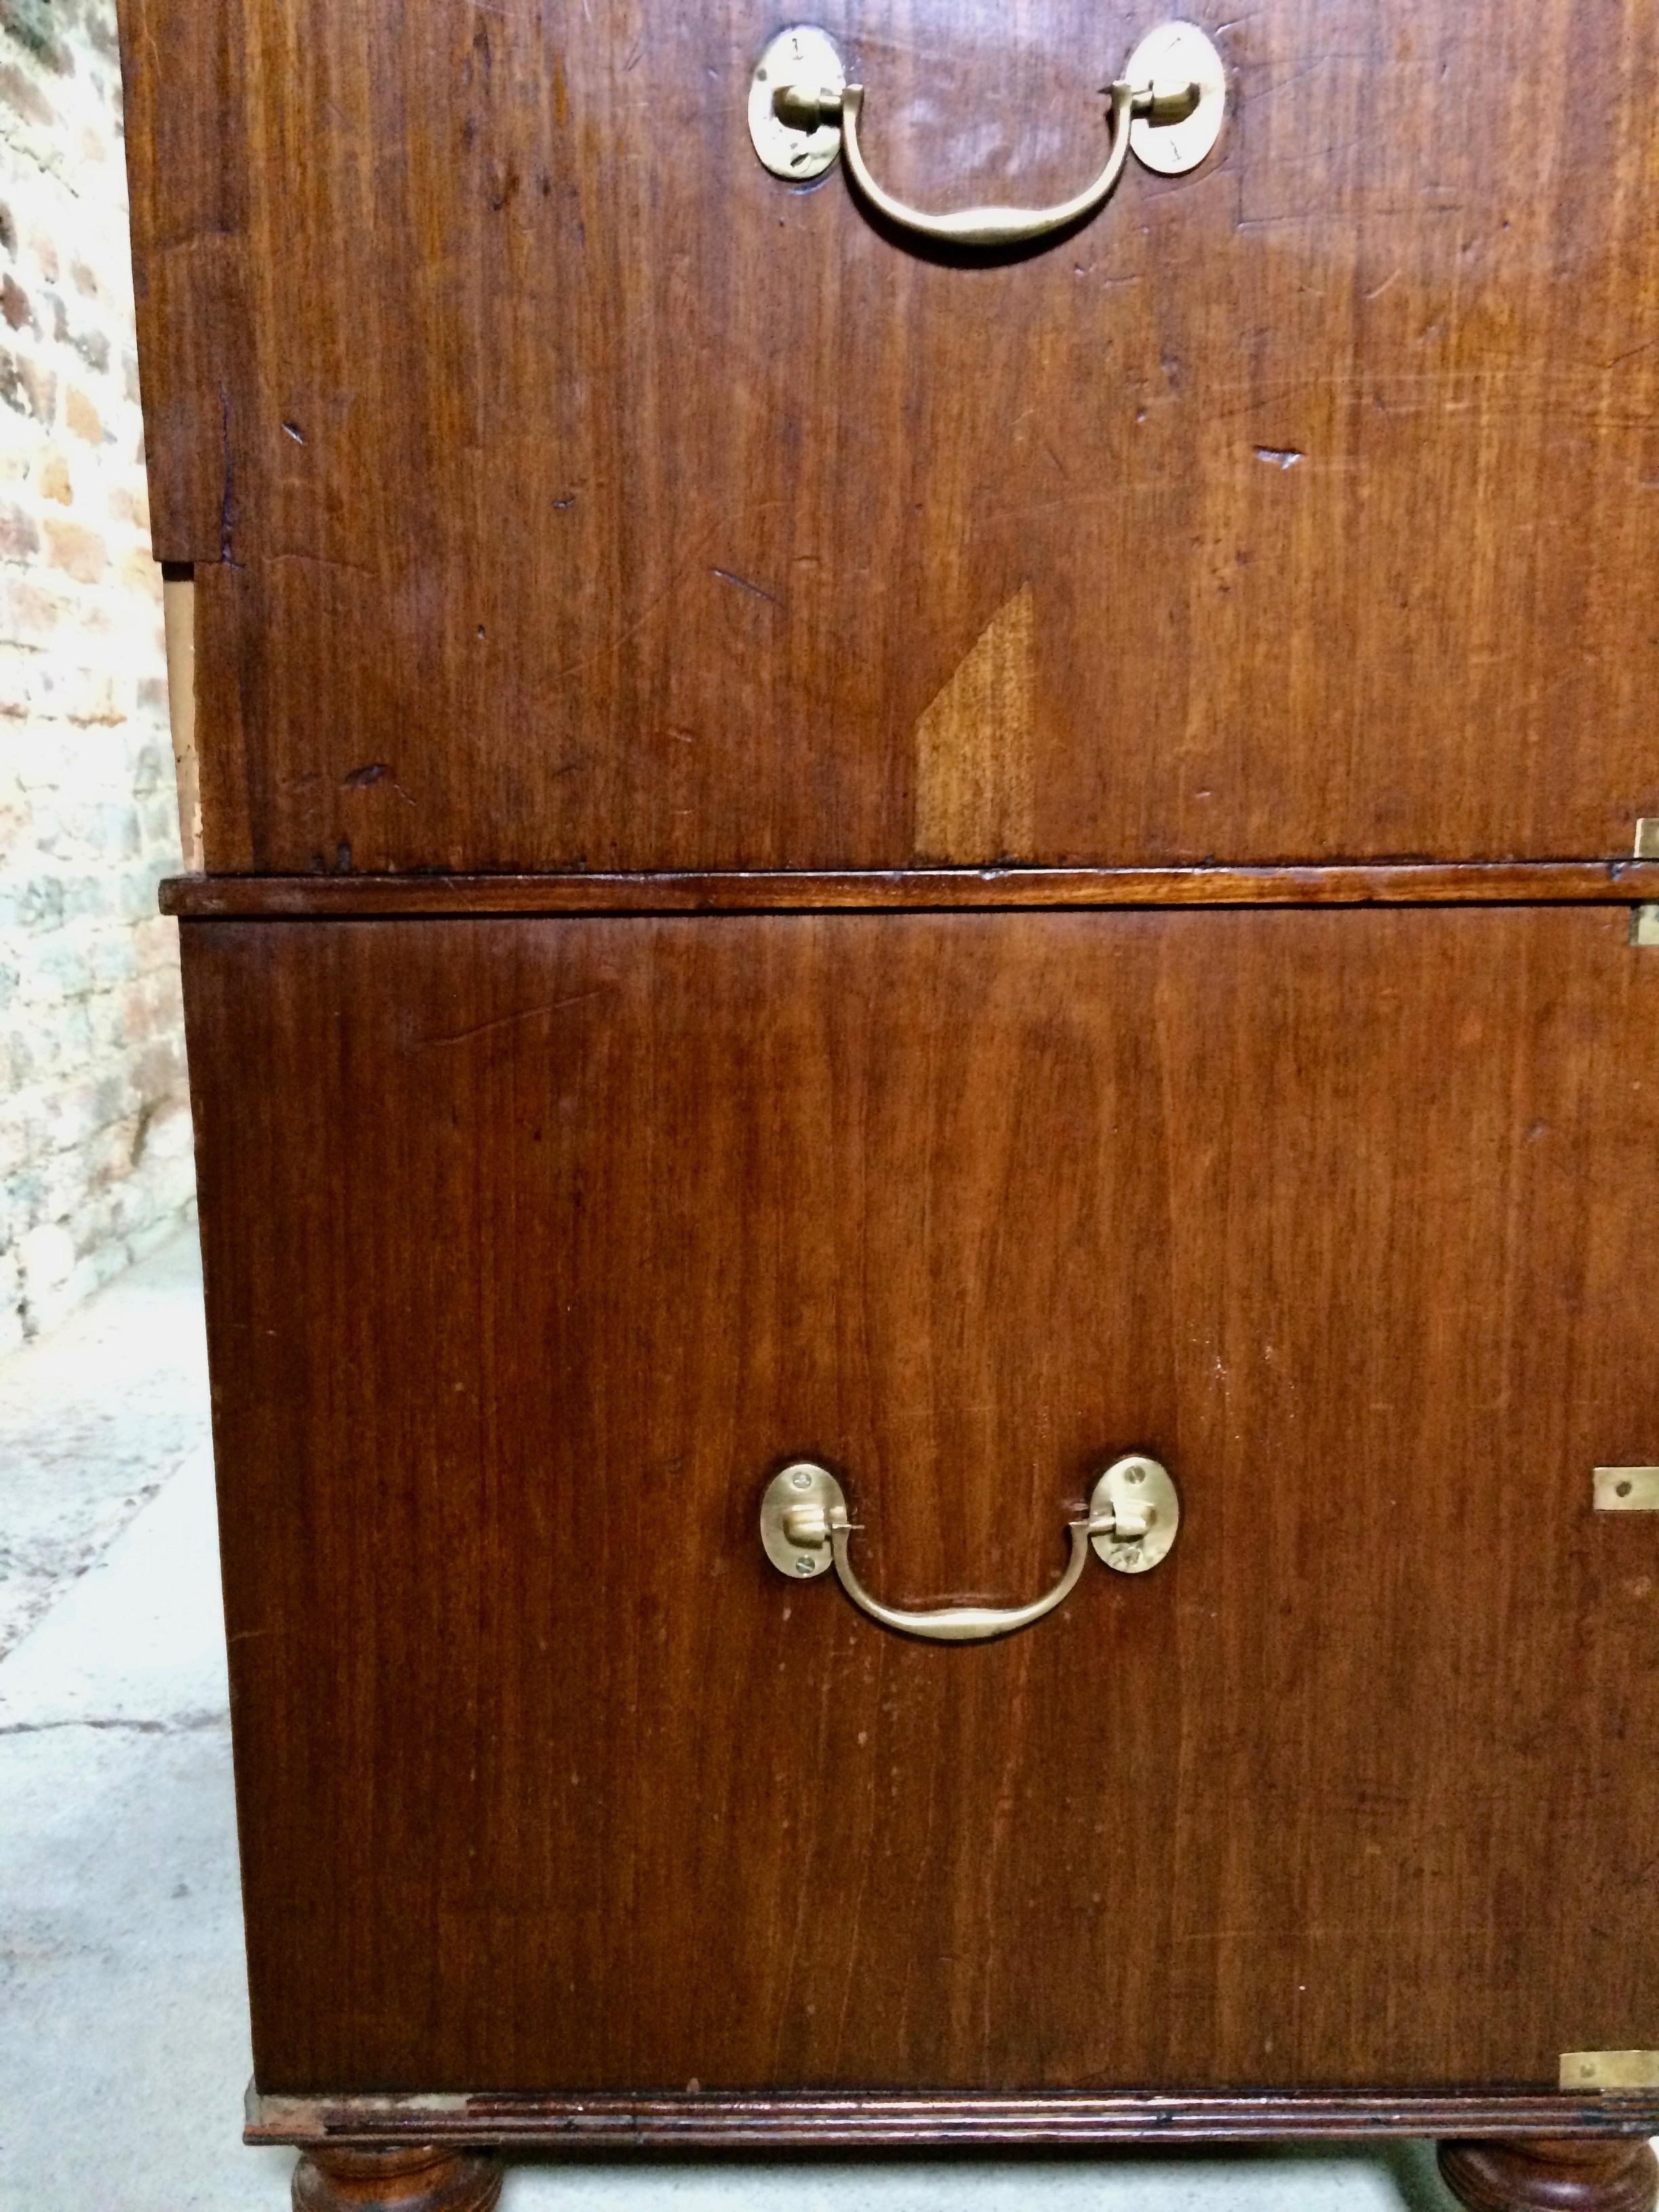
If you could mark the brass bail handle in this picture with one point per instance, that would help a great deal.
(1166, 109)
(1133, 1518)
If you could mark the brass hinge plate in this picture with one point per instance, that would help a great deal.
(1610, 2069)
(1644, 920)
(1627, 1490)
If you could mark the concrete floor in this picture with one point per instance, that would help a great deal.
(123, 2046)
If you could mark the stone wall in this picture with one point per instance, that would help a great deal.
(94, 1152)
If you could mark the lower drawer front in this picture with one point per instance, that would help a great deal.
(536, 1246)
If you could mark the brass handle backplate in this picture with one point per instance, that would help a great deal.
(1166, 109)
(1134, 1514)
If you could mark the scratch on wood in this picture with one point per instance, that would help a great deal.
(743, 585)
(361, 778)
(632, 630)
(510, 1021)
(228, 496)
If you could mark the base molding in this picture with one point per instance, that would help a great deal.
(772, 2120)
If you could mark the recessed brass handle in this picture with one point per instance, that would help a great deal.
(1167, 108)
(1134, 1514)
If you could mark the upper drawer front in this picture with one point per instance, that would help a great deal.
(567, 489)
(535, 1249)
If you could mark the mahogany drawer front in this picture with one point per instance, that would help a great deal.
(535, 1247)
(565, 490)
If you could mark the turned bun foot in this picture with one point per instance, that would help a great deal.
(421, 2179)
(1578, 2173)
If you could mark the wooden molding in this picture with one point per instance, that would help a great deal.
(735, 2120)
(1483, 882)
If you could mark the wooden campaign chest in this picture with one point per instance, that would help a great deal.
(922, 969)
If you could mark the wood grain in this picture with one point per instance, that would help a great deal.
(565, 490)
(534, 1247)
(1609, 883)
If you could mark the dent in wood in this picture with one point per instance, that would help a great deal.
(973, 787)
(179, 621)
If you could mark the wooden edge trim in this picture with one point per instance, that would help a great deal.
(1476, 883)
(772, 2121)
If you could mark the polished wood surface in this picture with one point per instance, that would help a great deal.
(779, 2120)
(1566, 2175)
(535, 1247)
(420, 2179)
(926, 890)
(564, 489)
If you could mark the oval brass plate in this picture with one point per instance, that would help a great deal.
(1128, 1483)
(1178, 53)
(803, 56)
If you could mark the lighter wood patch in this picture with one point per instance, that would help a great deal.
(973, 790)
(179, 623)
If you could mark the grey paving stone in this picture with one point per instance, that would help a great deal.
(94, 1419)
